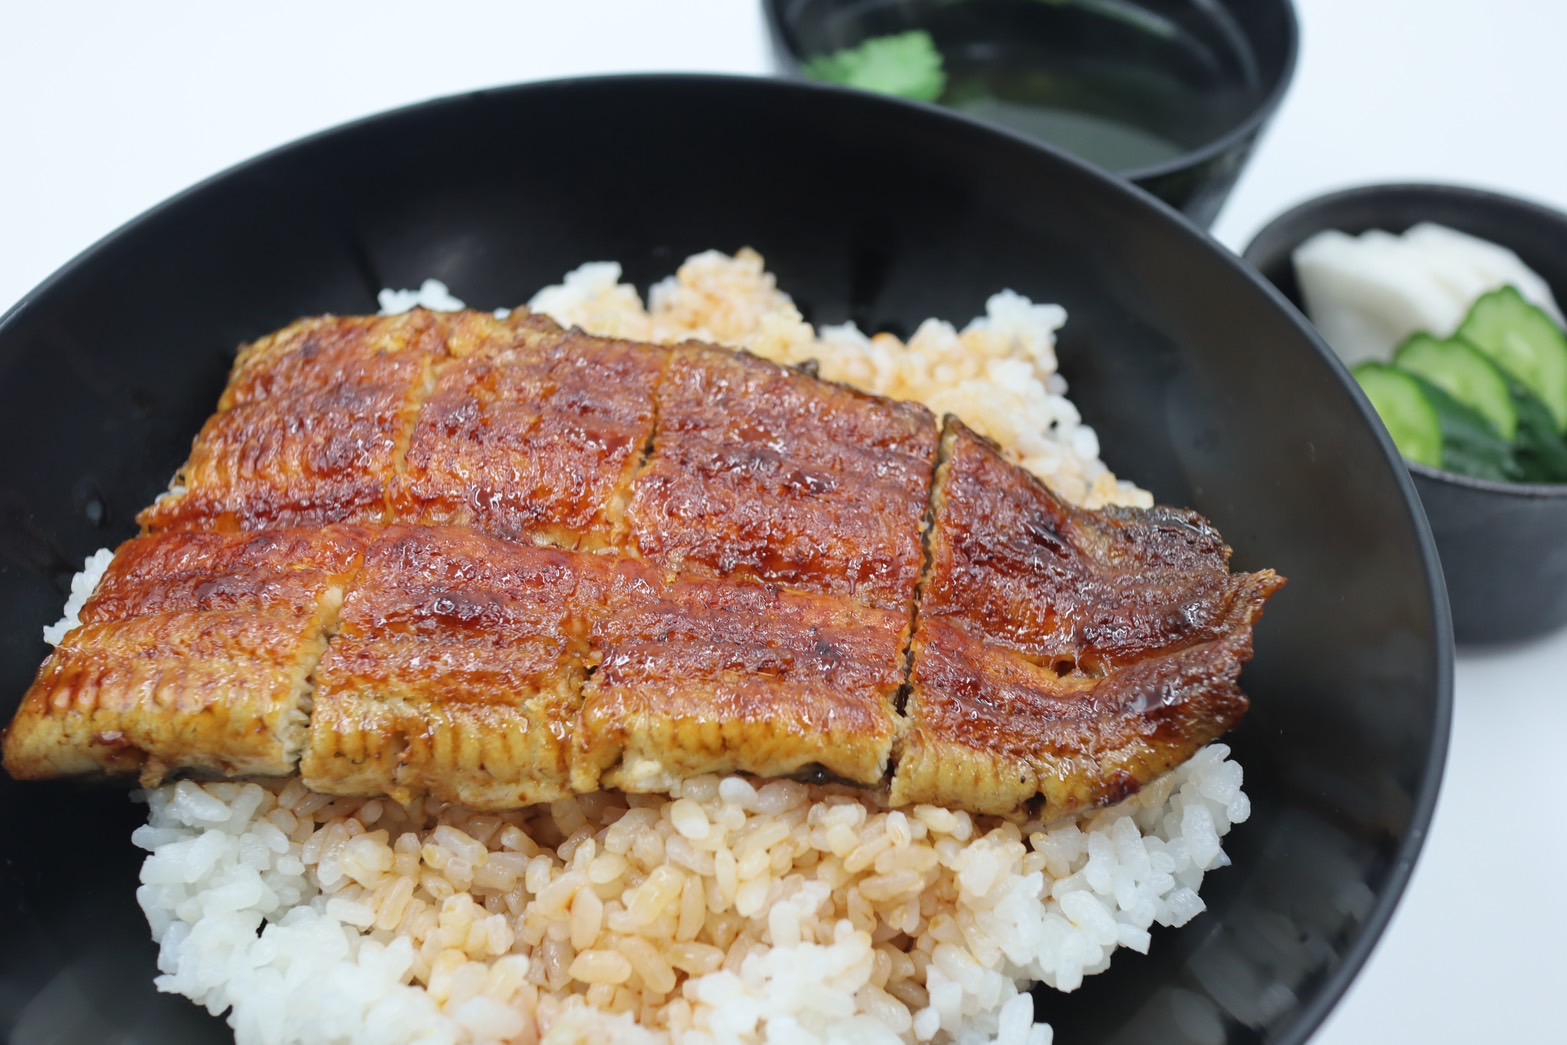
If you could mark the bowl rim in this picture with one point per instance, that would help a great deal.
(1467, 195)
(1236, 134)
(1500, 487)
(1311, 1013)
(1362, 190)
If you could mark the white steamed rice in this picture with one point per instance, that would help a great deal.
(82, 587)
(730, 911)
(727, 912)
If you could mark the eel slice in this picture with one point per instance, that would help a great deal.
(763, 471)
(714, 676)
(311, 428)
(194, 654)
(1065, 655)
(457, 672)
(533, 437)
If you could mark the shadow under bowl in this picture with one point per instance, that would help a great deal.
(1503, 545)
(866, 209)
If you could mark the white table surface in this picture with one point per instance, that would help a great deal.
(105, 109)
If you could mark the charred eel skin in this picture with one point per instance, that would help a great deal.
(500, 562)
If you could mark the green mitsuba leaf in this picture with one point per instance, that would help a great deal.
(906, 65)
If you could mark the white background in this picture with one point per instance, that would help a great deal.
(106, 109)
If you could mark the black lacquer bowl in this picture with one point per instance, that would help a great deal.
(1203, 386)
(1503, 545)
(1222, 66)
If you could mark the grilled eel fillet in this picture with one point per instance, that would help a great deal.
(498, 562)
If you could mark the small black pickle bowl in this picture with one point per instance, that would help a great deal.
(1171, 95)
(1503, 545)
